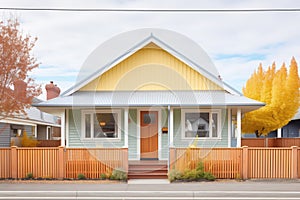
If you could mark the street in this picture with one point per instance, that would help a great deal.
(203, 190)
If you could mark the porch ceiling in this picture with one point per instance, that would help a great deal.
(152, 98)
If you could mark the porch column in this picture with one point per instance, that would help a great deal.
(229, 127)
(126, 127)
(239, 127)
(67, 128)
(279, 133)
(62, 128)
(170, 128)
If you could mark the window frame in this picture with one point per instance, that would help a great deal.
(211, 112)
(92, 113)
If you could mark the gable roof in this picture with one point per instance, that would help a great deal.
(126, 44)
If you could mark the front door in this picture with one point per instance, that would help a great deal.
(149, 135)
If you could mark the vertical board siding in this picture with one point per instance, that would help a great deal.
(221, 162)
(5, 163)
(148, 66)
(94, 162)
(4, 135)
(269, 163)
(41, 162)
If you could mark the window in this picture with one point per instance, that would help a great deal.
(101, 124)
(149, 118)
(200, 123)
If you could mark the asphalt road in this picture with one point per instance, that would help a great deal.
(224, 190)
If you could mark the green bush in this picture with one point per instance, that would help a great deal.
(81, 177)
(191, 174)
(29, 175)
(103, 176)
(118, 174)
(174, 175)
(208, 176)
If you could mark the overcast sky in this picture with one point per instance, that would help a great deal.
(236, 42)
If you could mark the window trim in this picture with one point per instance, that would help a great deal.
(92, 112)
(210, 111)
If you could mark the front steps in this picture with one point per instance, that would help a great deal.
(148, 169)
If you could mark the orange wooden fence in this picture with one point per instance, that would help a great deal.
(270, 142)
(298, 159)
(94, 162)
(41, 162)
(240, 162)
(270, 163)
(5, 163)
(60, 162)
(221, 162)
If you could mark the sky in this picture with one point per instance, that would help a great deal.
(236, 42)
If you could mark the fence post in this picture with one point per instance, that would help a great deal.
(126, 159)
(61, 162)
(14, 162)
(172, 158)
(294, 162)
(245, 162)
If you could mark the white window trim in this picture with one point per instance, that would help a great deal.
(92, 112)
(210, 111)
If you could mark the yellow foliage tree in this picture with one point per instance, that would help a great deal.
(280, 91)
(28, 141)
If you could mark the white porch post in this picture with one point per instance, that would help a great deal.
(62, 128)
(67, 128)
(171, 130)
(126, 127)
(229, 126)
(239, 128)
(279, 133)
(35, 131)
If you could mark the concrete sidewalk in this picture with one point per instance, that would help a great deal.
(202, 190)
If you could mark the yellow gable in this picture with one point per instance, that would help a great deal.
(151, 68)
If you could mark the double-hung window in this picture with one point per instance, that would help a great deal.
(200, 123)
(101, 124)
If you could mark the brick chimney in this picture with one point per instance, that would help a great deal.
(52, 90)
(20, 90)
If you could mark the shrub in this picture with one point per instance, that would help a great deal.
(103, 176)
(29, 175)
(174, 175)
(118, 174)
(191, 174)
(209, 176)
(81, 177)
(28, 141)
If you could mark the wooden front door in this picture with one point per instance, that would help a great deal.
(149, 134)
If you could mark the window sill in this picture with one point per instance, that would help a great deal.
(101, 139)
(202, 138)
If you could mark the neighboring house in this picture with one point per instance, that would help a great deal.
(291, 130)
(40, 125)
(148, 90)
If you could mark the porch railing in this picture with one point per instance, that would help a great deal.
(243, 162)
(60, 162)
